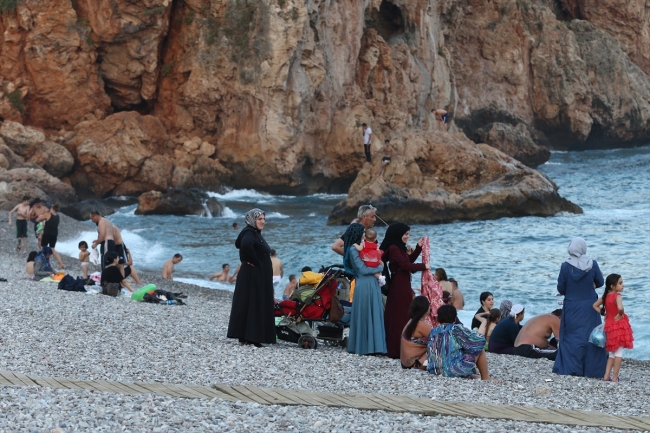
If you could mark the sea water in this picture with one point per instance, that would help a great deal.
(514, 258)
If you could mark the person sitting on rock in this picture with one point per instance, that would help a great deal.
(505, 333)
(453, 350)
(533, 339)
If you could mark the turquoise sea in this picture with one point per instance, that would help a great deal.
(514, 258)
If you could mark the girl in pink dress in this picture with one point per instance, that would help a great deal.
(617, 325)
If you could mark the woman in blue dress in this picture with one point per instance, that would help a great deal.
(579, 277)
(367, 335)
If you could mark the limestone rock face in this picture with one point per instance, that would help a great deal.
(514, 141)
(626, 21)
(178, 201)
(54, 158)
(446, 177)
(13, 191)
(128, 35)
(284, 88)
(32, 180)
(116, 152)
(49, 58)
(23, 140)
(8, 159)
(514, 58)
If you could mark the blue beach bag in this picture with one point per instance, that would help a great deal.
(598, 336)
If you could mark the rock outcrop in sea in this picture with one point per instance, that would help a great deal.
(450, 178)
(137, 95)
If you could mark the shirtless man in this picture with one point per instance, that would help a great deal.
(532, 340)
(458, 299)
(442, 117)
(366, 216)
(278, 269)
(22, 215)
(104, 235)
(37, 209)
(223, 276)
(168, 267)
(120, 248)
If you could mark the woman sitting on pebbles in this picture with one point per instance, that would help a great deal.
(487, 303)
(455, 351)
(112, 273)
(42, 266)
(415, 336)
(29, 267)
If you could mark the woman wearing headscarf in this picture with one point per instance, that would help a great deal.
(42, 266)
(367, 336)
(251, 316)
(578, 279)
(400, 294)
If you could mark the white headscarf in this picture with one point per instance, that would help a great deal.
(578, 255)
(516, 309)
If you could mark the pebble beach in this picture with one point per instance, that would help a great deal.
(48, 332)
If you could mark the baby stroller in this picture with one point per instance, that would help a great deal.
(313, 312)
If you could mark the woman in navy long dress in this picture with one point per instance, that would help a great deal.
(578, 279)
(367, 336)
(400, 294)
(252, 319)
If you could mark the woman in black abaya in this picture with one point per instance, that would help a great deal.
(251, 317)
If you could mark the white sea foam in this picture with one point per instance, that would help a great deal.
(276, 215)
(553, 163)
(207, 283)
(245, 195)
(144, 252)
(313, 214)
(127, 211)
(325, 196)
(228, 213)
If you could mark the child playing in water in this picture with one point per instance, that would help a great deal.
(291, 287)
(617, 325)
(369, 251)
(84, 257)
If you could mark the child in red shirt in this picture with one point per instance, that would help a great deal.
(369, 251)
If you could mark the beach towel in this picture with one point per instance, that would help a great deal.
(431, 288)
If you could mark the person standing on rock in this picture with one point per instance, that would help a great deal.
(401, 265)
(367, 141)
(22, 215)
(366, 216)
(104, 235)
(442, 117)
(51, 231)
(252, 318)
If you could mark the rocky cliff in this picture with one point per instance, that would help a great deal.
(271, 94)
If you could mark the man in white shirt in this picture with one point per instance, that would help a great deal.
(367, 140)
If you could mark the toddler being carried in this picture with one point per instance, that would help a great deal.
(369, 250)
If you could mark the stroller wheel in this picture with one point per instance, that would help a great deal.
(307, 342)
(344, 343)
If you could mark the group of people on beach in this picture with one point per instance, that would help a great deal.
(424, 331)
(114, 257)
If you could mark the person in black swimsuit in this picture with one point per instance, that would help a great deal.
(388, 153)
(51, 231)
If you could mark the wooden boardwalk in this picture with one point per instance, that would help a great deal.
(386, 402)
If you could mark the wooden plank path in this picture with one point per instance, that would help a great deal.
(386, 402)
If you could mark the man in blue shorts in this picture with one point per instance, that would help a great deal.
(442, 117)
